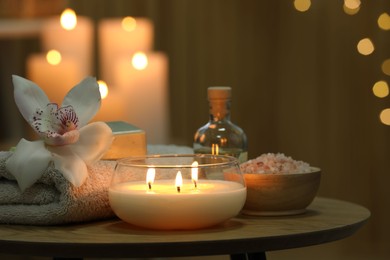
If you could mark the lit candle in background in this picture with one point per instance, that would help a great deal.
(56, 74)
(143, 80)
(122, 37)
(112, 104)
(71, 35)
(136, 77)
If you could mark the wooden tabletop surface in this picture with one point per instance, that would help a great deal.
(325, 220)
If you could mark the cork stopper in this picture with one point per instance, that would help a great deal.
(221, 93)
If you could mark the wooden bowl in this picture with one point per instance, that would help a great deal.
(280, 194)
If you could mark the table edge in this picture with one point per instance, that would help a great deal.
(187, 248)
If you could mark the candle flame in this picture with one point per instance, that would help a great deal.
(129, 24)
(103, 89)
(179, 181)
(53, 57)
(139, 61)
(194, 172)
(151, 173)
(68, 19)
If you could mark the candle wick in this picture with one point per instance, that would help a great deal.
(149, 185)
(178, 189)
(196, 184)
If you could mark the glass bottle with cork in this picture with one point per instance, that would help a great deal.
(220, 135)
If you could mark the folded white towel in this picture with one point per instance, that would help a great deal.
(52, 200)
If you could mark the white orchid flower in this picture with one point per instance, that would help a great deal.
(67, 141)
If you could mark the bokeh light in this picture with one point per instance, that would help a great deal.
(139, 61)
(381, 89)
(53, 57)
(103, 89)
(351, 7)
(384, 116)
(68, 19)
(129, 24)
(302, 5)
(365, 46)
(384, 21)
(386, 67)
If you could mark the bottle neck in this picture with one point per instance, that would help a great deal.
(219, 110)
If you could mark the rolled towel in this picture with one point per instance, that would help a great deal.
(53, 200)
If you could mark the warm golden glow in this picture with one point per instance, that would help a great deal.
(129, 24)
(68, 19)
(352, 4)
(381, 89)
(179, 181)
(223, 141)
(384, 21)
(139, 61)
(365, 46)
(302, 5)
(351, 7)
(386, 67)
(385, 116)
(150, 177)
(103, 89)
(53, 57)
(215, 149)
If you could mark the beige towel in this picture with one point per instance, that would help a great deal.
(53, 200)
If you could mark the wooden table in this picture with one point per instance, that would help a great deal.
(325, 220)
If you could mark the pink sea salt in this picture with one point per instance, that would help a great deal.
(271, 163)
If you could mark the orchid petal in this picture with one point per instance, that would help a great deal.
(85, 99)
(67, 138)
(28, 162)
(56, 126)
(69, 164)
(95, 140)
(28, 97)
(45, 121)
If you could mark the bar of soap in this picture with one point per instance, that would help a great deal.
(129, 140)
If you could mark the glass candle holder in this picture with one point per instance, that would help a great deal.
(173, 192)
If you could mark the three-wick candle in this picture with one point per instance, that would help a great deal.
(176, 204)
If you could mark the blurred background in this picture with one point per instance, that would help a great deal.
(310, 79)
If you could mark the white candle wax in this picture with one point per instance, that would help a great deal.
(77, 43)
(163, 207)
(55, 80)
(113, 107)
(116, 42)
(146, 93)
